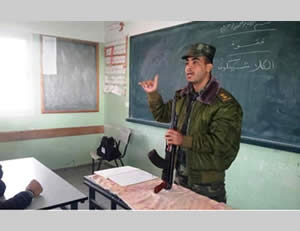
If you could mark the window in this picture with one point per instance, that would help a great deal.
(15, 75)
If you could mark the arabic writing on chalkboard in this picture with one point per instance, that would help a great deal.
(258, 62)
(243, 46)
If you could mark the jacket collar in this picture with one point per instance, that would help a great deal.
(206, 95)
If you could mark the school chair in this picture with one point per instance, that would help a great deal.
(122, 136)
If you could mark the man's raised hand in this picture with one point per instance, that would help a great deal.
(150, 85)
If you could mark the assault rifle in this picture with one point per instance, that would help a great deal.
(168, 163)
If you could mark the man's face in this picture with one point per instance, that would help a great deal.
(197, 70)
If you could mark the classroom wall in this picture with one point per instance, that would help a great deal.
(260, 178)
(53, 152)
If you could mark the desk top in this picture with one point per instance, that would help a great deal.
(141, 196)
(57, 192)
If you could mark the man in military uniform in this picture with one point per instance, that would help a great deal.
(209, 124)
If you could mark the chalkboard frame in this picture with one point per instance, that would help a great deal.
(42, 82)
(244, 139)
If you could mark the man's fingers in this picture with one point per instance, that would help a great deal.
(146, 84)
(169, 140)
(155, 82)
(149, 83)
(173, 137)
(156, 79)
(171, 132)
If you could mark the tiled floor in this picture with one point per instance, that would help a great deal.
(75, 177)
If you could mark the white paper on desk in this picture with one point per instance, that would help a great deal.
(107, 173)
(126, 175)
(132, 177)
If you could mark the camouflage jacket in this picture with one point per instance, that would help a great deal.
(212, 138)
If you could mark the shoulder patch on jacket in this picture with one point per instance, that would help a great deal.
(224, 96)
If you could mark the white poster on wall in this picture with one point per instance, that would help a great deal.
(115, 53)
(49, 55)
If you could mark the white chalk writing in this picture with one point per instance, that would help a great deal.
(250, 52)
(237, 64)
(247, 53)
(257, 42)
(264, 65)
(232, 29)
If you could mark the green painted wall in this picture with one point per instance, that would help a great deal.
(55, 152)
(263, 178)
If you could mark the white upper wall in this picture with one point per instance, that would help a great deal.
(138, 27)
(91, 31)
(85, 30)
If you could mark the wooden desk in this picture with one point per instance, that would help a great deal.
(57, 192)
(141, 196)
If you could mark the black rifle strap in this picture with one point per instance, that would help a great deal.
(181, 154)
(191, 97)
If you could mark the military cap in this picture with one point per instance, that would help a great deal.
(200, 49)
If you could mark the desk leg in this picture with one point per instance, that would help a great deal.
(113, 205)
(74, 205)
(91, 198)
(93, 166)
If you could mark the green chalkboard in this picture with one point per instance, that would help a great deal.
(258, 62)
